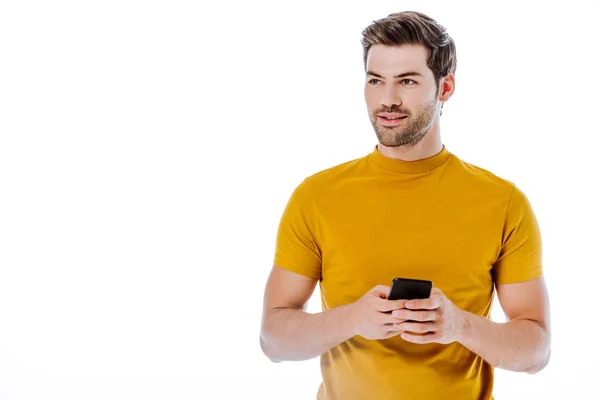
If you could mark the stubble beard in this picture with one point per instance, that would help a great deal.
(412, 130)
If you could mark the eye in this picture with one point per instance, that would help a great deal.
(374, 81)
(408, 82)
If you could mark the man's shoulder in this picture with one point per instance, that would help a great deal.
(330, 176)
(478, 176)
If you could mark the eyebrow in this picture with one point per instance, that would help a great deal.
(403, 75)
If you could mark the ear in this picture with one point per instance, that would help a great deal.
(446, 88)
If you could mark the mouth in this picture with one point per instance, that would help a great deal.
(391, 119)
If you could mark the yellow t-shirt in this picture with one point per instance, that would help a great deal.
(370, 220)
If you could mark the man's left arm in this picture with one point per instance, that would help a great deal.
(521, 344)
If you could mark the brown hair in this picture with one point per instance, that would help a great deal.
(412, 27)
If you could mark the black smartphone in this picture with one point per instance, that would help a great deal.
(407, 289)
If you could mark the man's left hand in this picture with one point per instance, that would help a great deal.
(435, 319)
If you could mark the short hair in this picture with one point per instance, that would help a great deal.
(414, 28)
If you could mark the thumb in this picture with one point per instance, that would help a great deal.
(380, 291)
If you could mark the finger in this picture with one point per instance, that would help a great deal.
(380, 291)
(411, 315)
(418, 327)
(390, 334)
(421, 339)
(388, 319)
(391, 305)
(392, 327)
(430, 303)
(397, 304)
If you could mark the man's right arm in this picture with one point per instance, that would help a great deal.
(289, 333)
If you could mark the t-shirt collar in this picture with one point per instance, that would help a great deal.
(417, 166)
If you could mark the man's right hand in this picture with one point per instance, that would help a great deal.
(370, 315)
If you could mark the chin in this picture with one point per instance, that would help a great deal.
(405, 141)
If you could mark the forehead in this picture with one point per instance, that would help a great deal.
(394, 60)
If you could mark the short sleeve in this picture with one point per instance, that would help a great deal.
(297, 248)
(520, 257)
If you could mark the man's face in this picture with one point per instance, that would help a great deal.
(401, 94)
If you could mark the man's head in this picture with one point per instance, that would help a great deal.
(410, 63)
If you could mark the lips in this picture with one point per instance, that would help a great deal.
(391, 116)
(388, 119)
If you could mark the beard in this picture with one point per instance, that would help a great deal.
(412, 129)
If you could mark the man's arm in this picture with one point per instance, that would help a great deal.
(288, 333)
(523, 343)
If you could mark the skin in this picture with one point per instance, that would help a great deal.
(288, 332)
(417, 94)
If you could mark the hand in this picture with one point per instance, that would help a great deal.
(436, 318)
(370, 315)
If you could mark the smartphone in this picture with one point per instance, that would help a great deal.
(408, 289)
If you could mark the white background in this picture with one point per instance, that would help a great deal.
(147, 150)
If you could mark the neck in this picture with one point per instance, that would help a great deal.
(429, 146)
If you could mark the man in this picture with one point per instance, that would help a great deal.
(408, 209)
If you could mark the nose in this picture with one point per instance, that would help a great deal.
(390, 97)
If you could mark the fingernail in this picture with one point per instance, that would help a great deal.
(409, 304)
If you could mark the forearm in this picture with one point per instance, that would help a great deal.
(294, 335)
(517, 345)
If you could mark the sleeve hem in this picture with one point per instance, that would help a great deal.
(297, 267)
(536, 273)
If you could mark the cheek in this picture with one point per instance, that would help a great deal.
(372, 99)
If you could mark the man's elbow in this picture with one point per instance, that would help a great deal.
(536, 368)
(267, 349)
(543, 349)
(540, 366)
